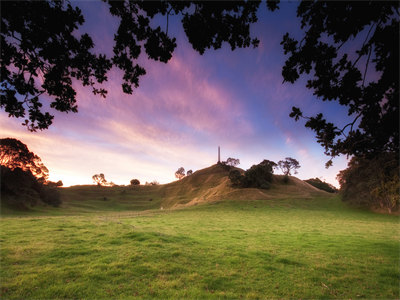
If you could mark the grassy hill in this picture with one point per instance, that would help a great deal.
(203, 186)
(291, 241)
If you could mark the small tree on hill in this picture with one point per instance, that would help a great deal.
(54, 184)
(180, 173)
(288, 165)
(99, 179)
(189, 172)
(135, 182)
(232, 162)
(258, 176)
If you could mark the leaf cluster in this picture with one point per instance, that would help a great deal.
(258, 176)
(372, 182)
(366, 81)
(15, 154)
(42, 53)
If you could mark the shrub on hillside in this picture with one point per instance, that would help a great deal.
(372, 182)
(50, 195)
(135, 182)
(258, 176)
(235, 177)
(21, 189)
(319, 184)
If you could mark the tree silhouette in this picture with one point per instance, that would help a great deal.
(135, 182)
(189, 172)
(333, 29)
(15, 154)
(288, 165)
(99, 179)
(233, 162)
(42, 53)
(180, 173)
(24, 177)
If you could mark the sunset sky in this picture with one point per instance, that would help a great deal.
(183, 110)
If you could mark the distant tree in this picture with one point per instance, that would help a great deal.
(189, 172)
(258, 176)
(135, 182)
(99, 179)
(232, 162)
(288, 165)
(54, 184)
(269, 164)
(154, 182)
(15, 154)
(319, 184)
(180, 173)
(235, 177)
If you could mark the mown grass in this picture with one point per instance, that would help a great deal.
(280, 248)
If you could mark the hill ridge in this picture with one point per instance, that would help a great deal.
(212, 184)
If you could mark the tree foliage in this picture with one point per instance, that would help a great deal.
(322, 185)
(372, 182)
(99, 179)
(24, 177)
(180, 173)
(258, 176)
(288, 165)
(135, 182)
(365, 81)
(42, 52)
(189, 172)
(15, 154)
(232, 162)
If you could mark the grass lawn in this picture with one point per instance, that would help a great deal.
(281, 248)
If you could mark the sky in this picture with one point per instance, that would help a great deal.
(183, 110)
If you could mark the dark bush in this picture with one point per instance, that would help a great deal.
(372, 182)
(236, 177)
(21, 189)
(258, 176)
(135, 182)
(319, 184)
(50, 195)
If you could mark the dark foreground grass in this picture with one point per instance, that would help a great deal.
(251, 249)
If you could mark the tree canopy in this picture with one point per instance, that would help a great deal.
(15, 154)
(180, 173)
(99, 179)
(365, 81)
(42, 53)
(288, 165)
(24, 177)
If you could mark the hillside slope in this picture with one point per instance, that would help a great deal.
(203, 186)
(212, 184)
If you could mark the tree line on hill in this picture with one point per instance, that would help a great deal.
(259, 176)
(366, 182)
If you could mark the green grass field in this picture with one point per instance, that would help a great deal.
(278, 249)
(127, 247)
